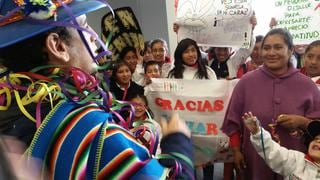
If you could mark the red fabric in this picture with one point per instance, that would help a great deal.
(303, 71)
(167, 59)
(241, 72)
(308, 157)
(235, 139)
(228, 172)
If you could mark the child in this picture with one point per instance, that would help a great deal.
(144, 127)
(290, 164)
(311, 60)
(151, 70)
(121, 84)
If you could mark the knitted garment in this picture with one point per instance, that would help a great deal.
(81, 142)
(83, 136)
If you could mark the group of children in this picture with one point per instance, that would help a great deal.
(72, 151)
(190, 64)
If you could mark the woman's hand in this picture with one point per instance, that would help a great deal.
(273, 23)
(238, 159)
(253, 20)
(292, 122)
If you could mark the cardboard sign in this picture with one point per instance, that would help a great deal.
(218, 23)
(121, 31)
(300, 17)
(202, 104)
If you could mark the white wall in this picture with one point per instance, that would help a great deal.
(264, 13)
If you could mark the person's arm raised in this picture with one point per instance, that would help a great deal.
(176, 142)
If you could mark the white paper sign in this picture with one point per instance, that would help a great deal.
(202, 104)
(219, 23)
(300, 17)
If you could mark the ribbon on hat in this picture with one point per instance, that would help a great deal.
(39, 12)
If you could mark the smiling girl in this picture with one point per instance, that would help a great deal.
(121, 85)
(312, 61)
(188, 63)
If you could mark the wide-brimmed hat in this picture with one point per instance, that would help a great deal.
(17, 28)
(314, 128)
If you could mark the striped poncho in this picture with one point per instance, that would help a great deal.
(81, 142)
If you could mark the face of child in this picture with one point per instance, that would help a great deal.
(190, 55)
(255, 55)
(147, 55)
(159, 52)
(314, 149)
(153, 71)
(132, 59)
(123, 75)
(312, 61)
(222, 53)
(300, 48)
(140, 108)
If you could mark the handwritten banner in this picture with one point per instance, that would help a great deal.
(300, 17)
(219, 23)
(121, 31)
(203, 110)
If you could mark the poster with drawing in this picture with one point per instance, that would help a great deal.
(219, 23)
(203, 110)
(300, 17)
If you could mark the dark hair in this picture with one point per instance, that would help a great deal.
(259, 38)
(150, 63)
(312, 131)
(312, 45)
(177, 71)
(124, 52)
(28, 54)
(285, 34)
(307, 139)
(116, 67)
(147, 44)
(143, 97)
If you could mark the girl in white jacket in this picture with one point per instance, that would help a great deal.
(290, 164)
(188, 63)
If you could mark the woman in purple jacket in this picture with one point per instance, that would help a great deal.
(280, 96)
